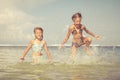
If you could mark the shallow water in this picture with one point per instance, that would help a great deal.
(103, 65)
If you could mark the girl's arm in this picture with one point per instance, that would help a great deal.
(26, 50)
(47, 51)
(89, 32)
(66, 38)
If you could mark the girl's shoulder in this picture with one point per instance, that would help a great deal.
(32, 41)
(43, 41)
(82, 26)
(71, 27)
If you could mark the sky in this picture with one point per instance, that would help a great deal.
(19, 17)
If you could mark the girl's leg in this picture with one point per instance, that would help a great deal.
(73, 53)
(87, 41)
(35, 59)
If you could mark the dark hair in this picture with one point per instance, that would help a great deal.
(75, 15)
(39, 28)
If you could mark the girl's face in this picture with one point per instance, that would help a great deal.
(77, 20)
(38, 34)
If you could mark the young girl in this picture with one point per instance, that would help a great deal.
(37, 45)
(76, 29)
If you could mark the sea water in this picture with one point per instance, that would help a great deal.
(103, 65)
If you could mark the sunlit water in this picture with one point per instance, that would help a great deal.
(103, 65)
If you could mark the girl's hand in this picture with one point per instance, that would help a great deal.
(97, 37)
(21, 59)
(60, 46)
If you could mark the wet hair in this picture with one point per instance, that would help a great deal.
(39, 28)
(75, 15)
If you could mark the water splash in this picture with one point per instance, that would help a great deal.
(102, 55)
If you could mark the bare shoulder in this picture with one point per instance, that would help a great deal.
(83, 26)
(71, 27)
(43, 41)
(32, 41)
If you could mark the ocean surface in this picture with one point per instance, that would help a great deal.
(103, 65)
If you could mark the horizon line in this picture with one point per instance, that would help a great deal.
(54, 45)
